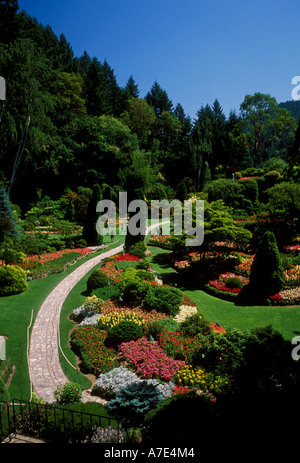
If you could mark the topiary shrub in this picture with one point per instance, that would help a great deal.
(142, 265)
(163, 299)
(196, 324)
(124, 331)
(135, 290)
(267, 273)
(13, 280)
(97, 279)
(155, 328)
(107, 292)
(233, 283)
(137, 251)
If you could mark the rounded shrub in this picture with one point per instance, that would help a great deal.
(196, 324)
(233, 283)
(70, 393)
(156, 327)
(163, 299)
(97, 279)
(124, 331)
(13, 280)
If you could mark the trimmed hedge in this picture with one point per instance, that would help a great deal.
(13, 280)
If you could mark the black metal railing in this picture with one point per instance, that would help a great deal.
(52, 423)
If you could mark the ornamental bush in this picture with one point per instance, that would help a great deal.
(97, 279)
(133, 402)
(163, 299)
(233, 283)
(156, 327)
(196, 324)
(124, 331)
(13, 280)
(70, 393)
(266, 274)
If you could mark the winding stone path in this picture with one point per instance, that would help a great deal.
(44, 366)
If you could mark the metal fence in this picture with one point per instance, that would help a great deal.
(52, 423)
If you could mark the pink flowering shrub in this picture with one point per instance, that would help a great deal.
(149, 360)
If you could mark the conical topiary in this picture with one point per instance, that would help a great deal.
(89, 232)
(267, 273)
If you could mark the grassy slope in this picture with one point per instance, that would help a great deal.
(15, 316)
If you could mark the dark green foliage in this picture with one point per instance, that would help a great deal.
(142, 265)
(196, 324)
(124, 331)
(233, 283)
(96, 280)
(4, 394)
(180, 419)
(266, 275)
(163, 299)
(135, 290)
(90, 233)
(107, 292)
(133, 402)
(156, 327)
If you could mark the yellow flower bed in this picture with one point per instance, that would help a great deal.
(108, 321)
(199, 378)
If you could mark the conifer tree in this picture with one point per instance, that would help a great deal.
(266, 274)
(89, 232)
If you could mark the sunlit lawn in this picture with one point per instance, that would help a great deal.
(285, 319)
(16, 313)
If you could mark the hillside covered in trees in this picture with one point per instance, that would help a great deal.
(67, 124)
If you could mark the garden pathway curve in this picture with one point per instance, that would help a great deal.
(44, 365)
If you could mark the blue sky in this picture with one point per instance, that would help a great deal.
(196, 50)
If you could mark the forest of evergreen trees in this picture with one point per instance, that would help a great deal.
(67, 124)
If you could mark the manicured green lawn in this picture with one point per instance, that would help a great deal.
(16, 313)
(284, 319)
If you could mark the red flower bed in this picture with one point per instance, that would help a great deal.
(217, 328)
(96, 355)
(221, 286)
(53, 260)
(180, 390)
(177, 344)
(126, 256)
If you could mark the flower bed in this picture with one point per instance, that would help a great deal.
(39, 265)
(125, 257)
(198, 377)
(287, 297)
(163, 241)
(292, 276)
(89, 340)
(108, 384)
(221, 283)
(177, 345)
(293, 247)
(149, 360)
(110, 308)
